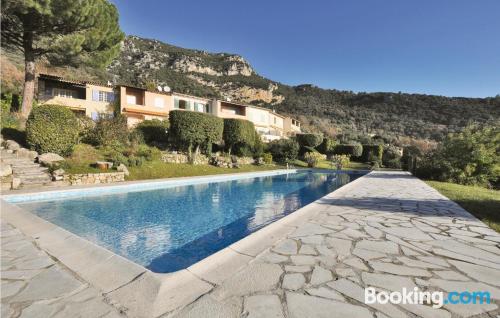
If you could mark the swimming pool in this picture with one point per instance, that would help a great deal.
(170, 228)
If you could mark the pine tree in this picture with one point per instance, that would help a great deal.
(63, 32)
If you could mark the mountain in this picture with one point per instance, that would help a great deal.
(150, 63)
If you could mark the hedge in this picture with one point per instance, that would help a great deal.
(327, 146)
(193, 129)
(283, 150)
(355, 150)
(154, 131)
(52, 128)
(309, 140)
(238, 133)
(372, 153)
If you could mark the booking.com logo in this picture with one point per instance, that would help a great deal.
(435, 298)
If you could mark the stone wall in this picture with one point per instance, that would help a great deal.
(94, 178)
(171, 157)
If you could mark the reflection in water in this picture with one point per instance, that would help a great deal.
(169, 229)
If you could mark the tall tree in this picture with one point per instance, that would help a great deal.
(63, 32)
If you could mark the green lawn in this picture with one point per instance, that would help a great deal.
(481, 202)
(159, 169)
(325, 164)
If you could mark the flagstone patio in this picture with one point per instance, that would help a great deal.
(387, 230)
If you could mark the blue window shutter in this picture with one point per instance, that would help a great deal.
(95, 95)
(111, 97)
(94, 116)
(176, 103)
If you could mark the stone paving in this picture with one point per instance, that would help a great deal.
(387, 230)
(35, 285)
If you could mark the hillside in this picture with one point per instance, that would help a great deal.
(151, 62)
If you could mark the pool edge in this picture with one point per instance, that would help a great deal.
(136, 288)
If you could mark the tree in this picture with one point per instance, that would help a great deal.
(193, 129)
(64, 32)
(238, 132)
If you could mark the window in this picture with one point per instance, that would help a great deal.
(202, 108)
(159, 102)
(62, 92)
(102, 96)
(131, 99)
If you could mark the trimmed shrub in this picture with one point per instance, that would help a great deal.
(392, 157)
(267, 158)
(258, 147)
(327, 146)
(154, 131)
(284, 150)
(52, 128)
(313, 158)
(309, 140)
(110, 130)
(372, 153)
(193, 129)
(238, 133)
(340, 161)
(353, 151)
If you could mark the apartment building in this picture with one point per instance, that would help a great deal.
(138, 104)
(87, 98)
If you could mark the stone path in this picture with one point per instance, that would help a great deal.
(35, 285)
(389, 231)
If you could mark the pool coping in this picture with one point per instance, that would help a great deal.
(139, 291)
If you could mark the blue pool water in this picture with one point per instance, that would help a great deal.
(171, 228)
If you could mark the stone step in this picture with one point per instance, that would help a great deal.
(29, 169)
(34, 179)
(35, 174)
(21, 165)
(17, 160)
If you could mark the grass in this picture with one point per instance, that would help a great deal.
(158, 169)
(481, 202)
(325, 164)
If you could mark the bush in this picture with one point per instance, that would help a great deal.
(327, 146)
(52, 128)
(86, 128)
(392, 157)
(309, 140)
(313, 158)
(110, 130)
(238, 133)
(340, 161)
(470, 158)
(267, 158)
(154, 131)
(284, 150)
(372, 153)
(193, 129)
(353, 151)
(258, 148)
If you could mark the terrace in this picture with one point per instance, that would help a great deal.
(385, 229)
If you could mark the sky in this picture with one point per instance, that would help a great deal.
(442, 47)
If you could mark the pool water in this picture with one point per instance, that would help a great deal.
(172, 228)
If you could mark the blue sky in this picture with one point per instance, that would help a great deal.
(444, 47)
